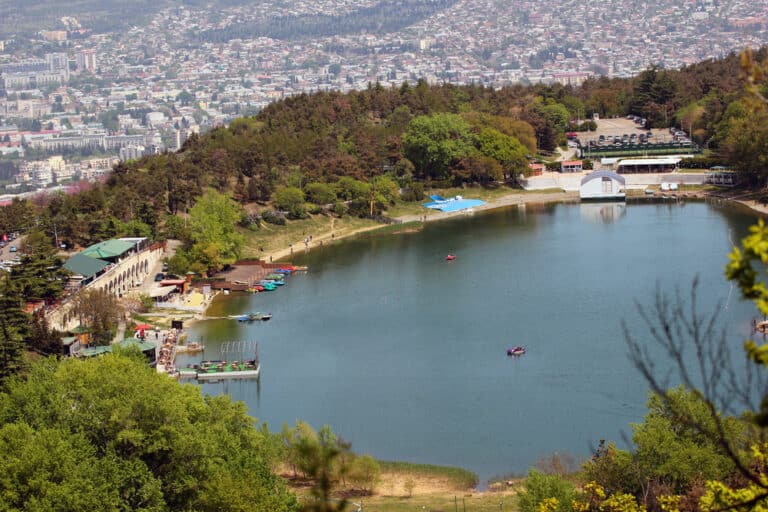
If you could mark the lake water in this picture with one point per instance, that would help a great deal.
(403, 353)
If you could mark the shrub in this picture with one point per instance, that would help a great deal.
(290, 199)
(339, 209)
(539, 488)
(273, 217)
(320, 193)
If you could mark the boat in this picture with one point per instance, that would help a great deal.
(267, 285)
(516, 351)
(450, 257)
(284, 271)
(256, 288)
(275, 277)
(251, 317)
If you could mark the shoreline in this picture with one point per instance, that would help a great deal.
(512, 199)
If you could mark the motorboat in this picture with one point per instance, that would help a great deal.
(516, 351)
(450, 257)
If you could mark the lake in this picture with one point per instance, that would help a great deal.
(403, 353)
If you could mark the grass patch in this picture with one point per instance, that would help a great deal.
(403, 209)
(391, 229)
(271, 237)
(483, 502)
(461, 478)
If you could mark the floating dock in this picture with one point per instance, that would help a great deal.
(220, 370)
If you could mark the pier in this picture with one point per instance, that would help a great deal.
(236, 367)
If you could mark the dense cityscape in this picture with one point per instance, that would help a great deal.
(74, 101)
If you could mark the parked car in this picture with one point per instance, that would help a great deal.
(13, 248)
(159, 277)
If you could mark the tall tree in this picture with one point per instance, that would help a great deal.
(213, 219)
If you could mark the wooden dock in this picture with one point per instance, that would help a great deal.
(242, 276)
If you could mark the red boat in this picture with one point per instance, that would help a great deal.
(450, 257)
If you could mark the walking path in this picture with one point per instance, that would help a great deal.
(512, 199)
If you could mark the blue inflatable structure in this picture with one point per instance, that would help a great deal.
(453, 204)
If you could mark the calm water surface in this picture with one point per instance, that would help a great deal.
(403, 353)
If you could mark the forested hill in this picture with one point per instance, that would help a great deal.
(358, 153)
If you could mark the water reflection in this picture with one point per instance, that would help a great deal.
(603, 213)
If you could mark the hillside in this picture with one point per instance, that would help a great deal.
(360, 153)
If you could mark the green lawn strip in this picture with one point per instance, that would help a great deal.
(481, 502)
(272, 237)
(459, 477)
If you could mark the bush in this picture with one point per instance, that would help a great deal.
(291, 200)
(539, 487)
(339, 209)
(273, 217)
(320, 193)
(364, 473)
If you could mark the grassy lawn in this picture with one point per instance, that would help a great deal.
(435, 488)
(478, 502)
(271, 237)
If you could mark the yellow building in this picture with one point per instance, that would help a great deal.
(57, 163)
(54, 35)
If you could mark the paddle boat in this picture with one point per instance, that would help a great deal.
(267, 285)
(275, 277)
(516, 351)
(256, 288)
(450, 257)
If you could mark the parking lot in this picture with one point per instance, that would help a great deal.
(619, 126)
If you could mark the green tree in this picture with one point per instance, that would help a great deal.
(504, 149)
(539, 487)
(364, 473)
(291, 200)
(41, 276)
(320, 193)
(675, 453)
(110, 433)
(212, 227)
(434, 143)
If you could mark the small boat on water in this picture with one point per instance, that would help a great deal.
(251, 317)
(267, 285)
(450, 257)
(256, 288)
(516, 351)
(259, 316)
(275, 277)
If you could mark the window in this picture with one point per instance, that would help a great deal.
(607, 185)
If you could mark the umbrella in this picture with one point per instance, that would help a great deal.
(142, 327)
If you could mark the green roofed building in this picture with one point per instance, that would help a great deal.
(148, 349)
(109, 250)
(85, 266)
